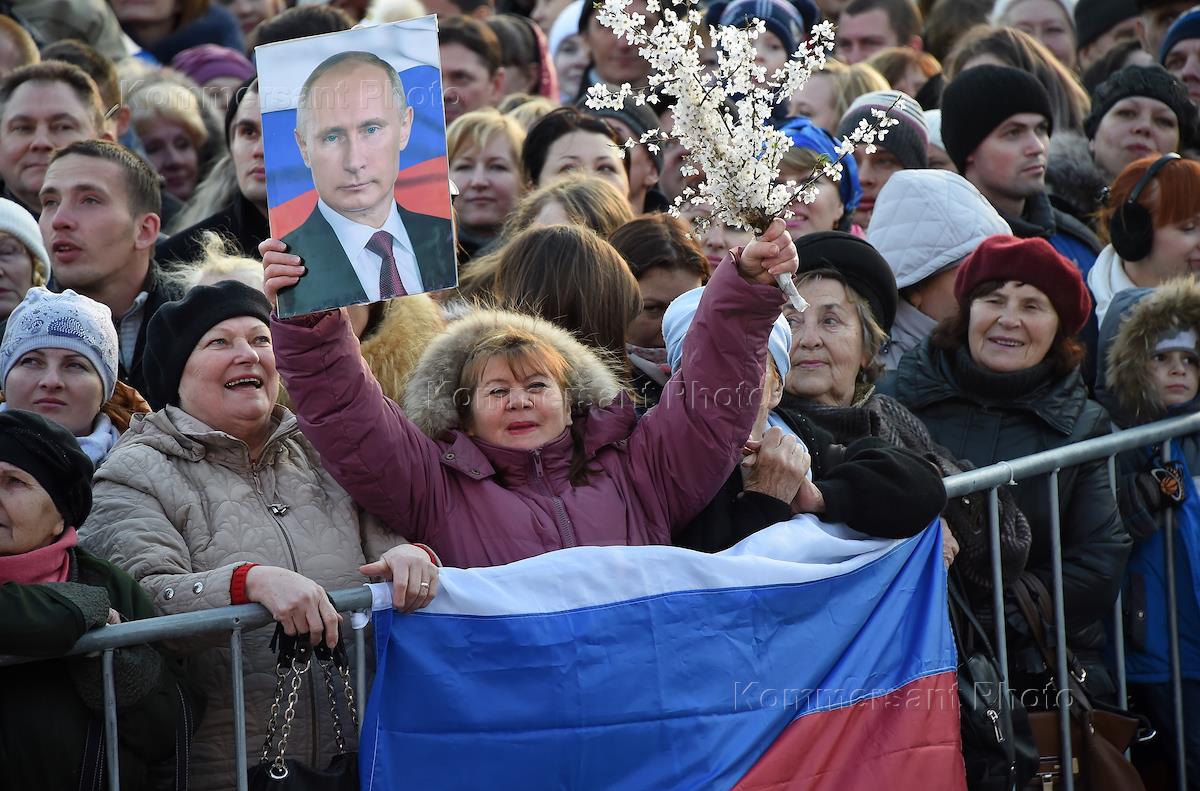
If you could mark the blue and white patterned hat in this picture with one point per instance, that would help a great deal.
(45, 320)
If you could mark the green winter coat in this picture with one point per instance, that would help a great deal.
(47, 707)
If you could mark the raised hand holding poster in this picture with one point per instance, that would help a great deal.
(355, 147)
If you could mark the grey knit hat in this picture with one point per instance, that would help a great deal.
(45, 320)
(14, 219)
(908, 140)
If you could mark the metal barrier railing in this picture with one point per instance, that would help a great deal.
(1051, 462)
(236, 619)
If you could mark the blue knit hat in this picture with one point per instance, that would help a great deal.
(790, 22)
(805, 134)
(1185, 27)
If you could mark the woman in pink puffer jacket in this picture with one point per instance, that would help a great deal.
(515, 439)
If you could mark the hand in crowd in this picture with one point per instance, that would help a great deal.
(114, 617)
(808, 499)
(768, 255)
(296, 602)
(280, 269)
(949, 544)
(775, 465)
(414, 577)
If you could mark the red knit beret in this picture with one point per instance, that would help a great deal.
(1031, 261)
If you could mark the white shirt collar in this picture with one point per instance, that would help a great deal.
(353, 237)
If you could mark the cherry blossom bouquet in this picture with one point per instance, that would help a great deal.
(722, 112)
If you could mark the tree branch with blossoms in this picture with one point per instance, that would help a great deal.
(722, 115)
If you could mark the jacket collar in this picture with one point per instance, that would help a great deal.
(1036, 220)
(927, 376)
(181, 434)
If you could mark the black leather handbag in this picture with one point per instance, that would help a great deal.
(280, 773)
(998, 748)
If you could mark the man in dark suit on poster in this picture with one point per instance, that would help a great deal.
(358, 245)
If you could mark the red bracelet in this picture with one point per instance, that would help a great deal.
(237, 584)
(433, 558)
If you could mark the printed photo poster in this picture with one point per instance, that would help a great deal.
(354, 138)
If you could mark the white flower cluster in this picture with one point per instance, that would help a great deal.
(722, 112)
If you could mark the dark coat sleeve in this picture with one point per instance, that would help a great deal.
(46, 620)
(732, 515)
(151, 697)
(882, 490)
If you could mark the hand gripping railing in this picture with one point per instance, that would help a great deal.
(235, 620)
(1050, 463)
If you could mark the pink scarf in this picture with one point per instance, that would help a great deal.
(51, 563)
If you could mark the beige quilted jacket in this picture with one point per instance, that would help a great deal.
(179, 506)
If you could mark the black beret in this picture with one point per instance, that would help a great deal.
(176, 328)
(859, 264)
(51, 454)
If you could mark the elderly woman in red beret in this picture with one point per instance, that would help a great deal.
(1001, 380)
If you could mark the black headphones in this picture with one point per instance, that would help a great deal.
(1131, 228)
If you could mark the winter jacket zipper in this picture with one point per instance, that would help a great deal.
(278, 510)
(566, 532)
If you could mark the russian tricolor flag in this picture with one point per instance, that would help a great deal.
(806, 657)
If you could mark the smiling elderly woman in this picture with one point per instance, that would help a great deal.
(1000, 381)
(515, 439)
(831, 390)
(216, 498)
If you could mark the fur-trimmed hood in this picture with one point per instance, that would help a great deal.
(1135, 321)
(393, 349)
(429, 396)
(1073, 179)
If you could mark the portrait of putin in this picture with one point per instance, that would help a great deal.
(353, 121)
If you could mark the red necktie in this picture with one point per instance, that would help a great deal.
(389, 277)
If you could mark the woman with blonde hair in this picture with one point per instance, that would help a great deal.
(484, 150)
(167, 118)
(827, 95)
(24, 262)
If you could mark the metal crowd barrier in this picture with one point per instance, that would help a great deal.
(237, 619)
(1050, 463)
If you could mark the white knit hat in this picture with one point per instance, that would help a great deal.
(45, 320)
(933, 121)
(14, 219)
(1001, 8)
(563, 27)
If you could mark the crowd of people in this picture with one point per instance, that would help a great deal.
(1011, 269)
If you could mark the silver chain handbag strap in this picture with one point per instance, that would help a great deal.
(336, 659)
(279, 769)
(351, 702)
(273, 722)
